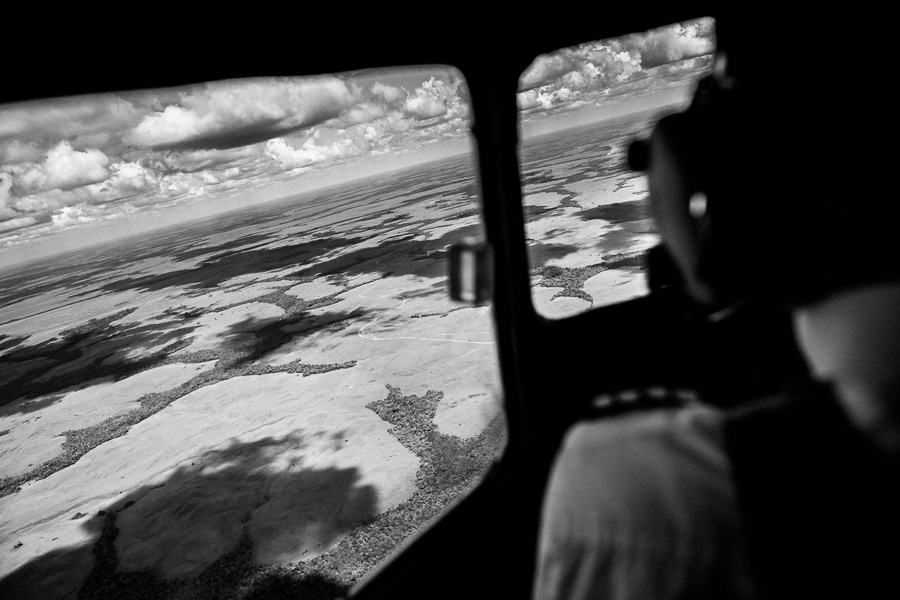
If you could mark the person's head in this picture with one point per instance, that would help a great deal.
(755, 195)
(758, 197)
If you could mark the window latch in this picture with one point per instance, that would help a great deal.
(471, 271)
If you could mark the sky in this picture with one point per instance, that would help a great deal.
(80, 170)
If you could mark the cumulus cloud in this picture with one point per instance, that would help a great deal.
(6, 182)
(586, 64)
(527, 100)
(424, 106)
(236, 113)
(672, 43)
(309, 153)
(390, 94)
(47, 187)
(364, 113)
(68, 216)
(437, 98)
(604, 64)
(64, 168)
(428, 101)
(186, 184)
(70, 162)
(7, 201)
(572, 76)
(556, 80)
(397, 109)
(173, 125)
(545, 69)
(386, 116)
(128, 179)
(49, 200)
(380, 131)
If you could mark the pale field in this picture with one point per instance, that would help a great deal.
(219, 386)
(222, 382)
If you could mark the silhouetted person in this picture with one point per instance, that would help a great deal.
(757, 200)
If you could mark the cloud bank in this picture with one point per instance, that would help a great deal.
(67, 163)
(80, 160)
(229, 114)
(636, 63)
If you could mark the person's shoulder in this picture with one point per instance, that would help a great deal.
(646, 472)
(691, 422)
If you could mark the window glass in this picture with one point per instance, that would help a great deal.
(587, 219)
(227, 353)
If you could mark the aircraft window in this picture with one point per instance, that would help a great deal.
(227, 351)
(587, 218)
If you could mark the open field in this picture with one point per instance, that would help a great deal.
(269, 402)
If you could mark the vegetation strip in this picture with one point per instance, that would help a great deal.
(235, 362)
(231, 363)
(449, 466)
(572, 279)
(81, 441)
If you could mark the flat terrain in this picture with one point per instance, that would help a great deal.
(269, 402)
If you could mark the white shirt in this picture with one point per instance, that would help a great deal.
(642, 506)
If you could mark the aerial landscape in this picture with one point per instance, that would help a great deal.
(588, 223)
(232, 369)
(198, 380)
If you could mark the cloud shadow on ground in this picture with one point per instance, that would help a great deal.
(253, 338)
(30, 406)
(99, 351)
(229, 495)
(225, 247)
(618, 241)
(93, 351)
(410, 255)
(617, 213)
(215, 270)
(8, 342)
(541, 252)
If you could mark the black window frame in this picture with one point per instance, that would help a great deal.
(490, 52)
